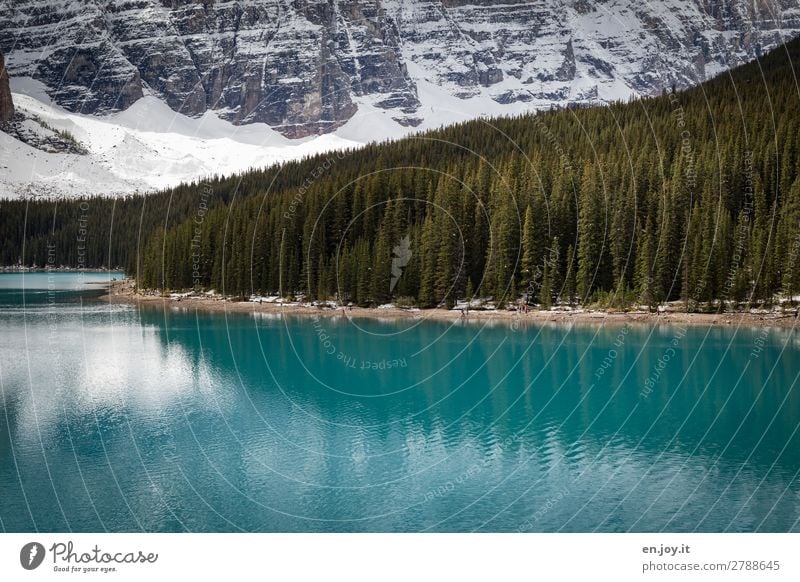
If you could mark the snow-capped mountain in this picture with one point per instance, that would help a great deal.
(126, 95)
(306, 67)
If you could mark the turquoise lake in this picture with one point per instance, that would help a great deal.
(124, 419)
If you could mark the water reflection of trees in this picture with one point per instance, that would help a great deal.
(517, 385)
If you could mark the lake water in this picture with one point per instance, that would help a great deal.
(121, 419)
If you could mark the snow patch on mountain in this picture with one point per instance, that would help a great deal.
(144, 148)
(308, 67)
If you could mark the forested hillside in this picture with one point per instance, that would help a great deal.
(693, 195)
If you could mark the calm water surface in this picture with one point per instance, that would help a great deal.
(113, 418)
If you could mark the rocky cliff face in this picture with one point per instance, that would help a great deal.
(306, 66)
(6, 104)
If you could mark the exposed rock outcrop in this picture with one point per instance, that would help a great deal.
(6, 103)
(305, 66)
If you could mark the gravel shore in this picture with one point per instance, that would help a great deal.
(122, 292)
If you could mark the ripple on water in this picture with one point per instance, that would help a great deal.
(174, 421)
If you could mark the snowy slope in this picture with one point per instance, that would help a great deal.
(149, 147)
(144, 148)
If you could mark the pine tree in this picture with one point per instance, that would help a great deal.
(556, 273)
(591, 236)
(645, 257)
(570, 285)
(448, 241)
(380, 282)
(546, 292)
(428, 256)
(529, 250)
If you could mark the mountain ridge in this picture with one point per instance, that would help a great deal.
(306, 68)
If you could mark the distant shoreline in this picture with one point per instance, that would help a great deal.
(121, 292)
(18, 270)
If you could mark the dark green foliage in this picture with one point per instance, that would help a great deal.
(690, 196)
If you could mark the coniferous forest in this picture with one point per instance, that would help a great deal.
(690, 196)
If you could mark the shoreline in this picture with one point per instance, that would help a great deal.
(121, 292)
(10, 269)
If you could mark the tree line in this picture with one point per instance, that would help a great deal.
(690, 196)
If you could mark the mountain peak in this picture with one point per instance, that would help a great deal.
(307, 67)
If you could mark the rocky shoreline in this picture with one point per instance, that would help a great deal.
(122, 292)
